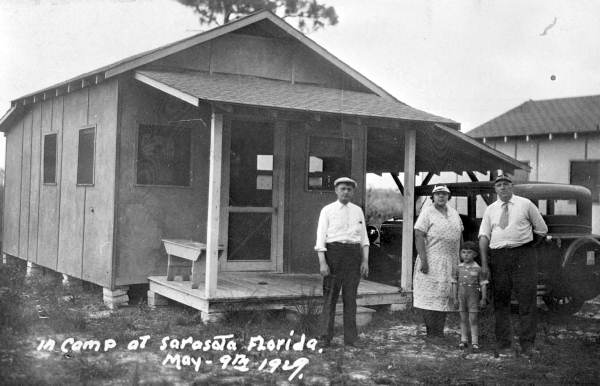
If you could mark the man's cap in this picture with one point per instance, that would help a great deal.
(502, 177)
(344, 180)
(440, 188)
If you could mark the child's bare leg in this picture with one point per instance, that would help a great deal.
(464, 326)
(474, 323)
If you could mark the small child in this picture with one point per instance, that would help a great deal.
(468, 280)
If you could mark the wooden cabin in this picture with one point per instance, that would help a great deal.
(231, 138)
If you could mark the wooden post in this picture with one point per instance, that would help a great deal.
(214, 205)
(408, 212)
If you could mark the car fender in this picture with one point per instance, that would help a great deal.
(570, 252)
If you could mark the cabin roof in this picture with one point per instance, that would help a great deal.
(195, 86)
(564, 115)
(261, 22)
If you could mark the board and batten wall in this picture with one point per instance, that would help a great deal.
(550, 159)
(146, 214)
(264, 57)
(62, 226)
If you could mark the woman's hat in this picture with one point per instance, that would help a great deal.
(440, 188)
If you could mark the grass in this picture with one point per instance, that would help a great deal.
(393, 350)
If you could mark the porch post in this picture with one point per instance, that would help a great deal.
(408, 212)
(214, 205)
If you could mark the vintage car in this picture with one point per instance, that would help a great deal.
(569, 258)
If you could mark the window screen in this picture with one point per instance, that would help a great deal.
(164, 155)
(328, 159)
(587, 173)
(85, 157)
(50, 159)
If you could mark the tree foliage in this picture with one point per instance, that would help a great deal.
(309, 14)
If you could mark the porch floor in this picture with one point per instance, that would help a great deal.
(266, 290)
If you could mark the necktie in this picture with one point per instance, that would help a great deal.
(504, 216)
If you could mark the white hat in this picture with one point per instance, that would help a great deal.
(440, 188)
(344, 180)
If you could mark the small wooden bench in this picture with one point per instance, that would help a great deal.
(188, 250)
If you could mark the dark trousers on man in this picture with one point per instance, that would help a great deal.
(344, 266)
(514, 269)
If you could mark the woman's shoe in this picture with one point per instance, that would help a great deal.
(463, 345)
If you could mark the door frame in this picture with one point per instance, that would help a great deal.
(275, 264)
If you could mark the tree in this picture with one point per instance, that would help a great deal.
(310, 14)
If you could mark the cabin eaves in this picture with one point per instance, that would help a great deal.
(133, 62)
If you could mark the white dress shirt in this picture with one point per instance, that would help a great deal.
(523, 218)
(341, 223)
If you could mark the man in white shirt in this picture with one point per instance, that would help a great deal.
(343, 250)
(508, 228)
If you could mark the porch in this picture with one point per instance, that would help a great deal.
(263, 290)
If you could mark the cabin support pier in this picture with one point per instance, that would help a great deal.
(116, 297)
(33, 269)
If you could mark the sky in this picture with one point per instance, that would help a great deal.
(468, 60)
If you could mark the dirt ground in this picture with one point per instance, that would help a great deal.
(393, 348)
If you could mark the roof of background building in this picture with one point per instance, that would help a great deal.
(564, 115)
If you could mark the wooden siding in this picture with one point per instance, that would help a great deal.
(99, 200)
(304, 206)
(260, 56)
(12, 189)
(25, 186)
(62, 226)
(70, 241)
(34, 188)
(49, 193)
(146, 214)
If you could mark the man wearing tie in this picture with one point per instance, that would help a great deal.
(511, 227)
(343, 250)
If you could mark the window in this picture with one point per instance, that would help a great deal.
(328, 159)
(164, 155)
(587, 173)
(264, 172)
(85, 157)
(50, 159)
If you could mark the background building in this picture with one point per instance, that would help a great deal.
(558, 138)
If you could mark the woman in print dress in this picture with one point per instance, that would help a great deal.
(438, 236)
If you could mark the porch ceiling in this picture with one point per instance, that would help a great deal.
(439, 149)
(193, 86)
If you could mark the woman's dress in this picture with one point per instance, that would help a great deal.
(433, 291)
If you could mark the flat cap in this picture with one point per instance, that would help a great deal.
(502, 177)
(344, 180)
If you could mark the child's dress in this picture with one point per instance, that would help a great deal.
(469, 278)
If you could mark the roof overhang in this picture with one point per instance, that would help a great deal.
(11, 115)
(439, 149)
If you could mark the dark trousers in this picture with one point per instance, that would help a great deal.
(344, 266)
(514, 269)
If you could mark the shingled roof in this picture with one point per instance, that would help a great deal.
(564, 115)
(260, 92)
